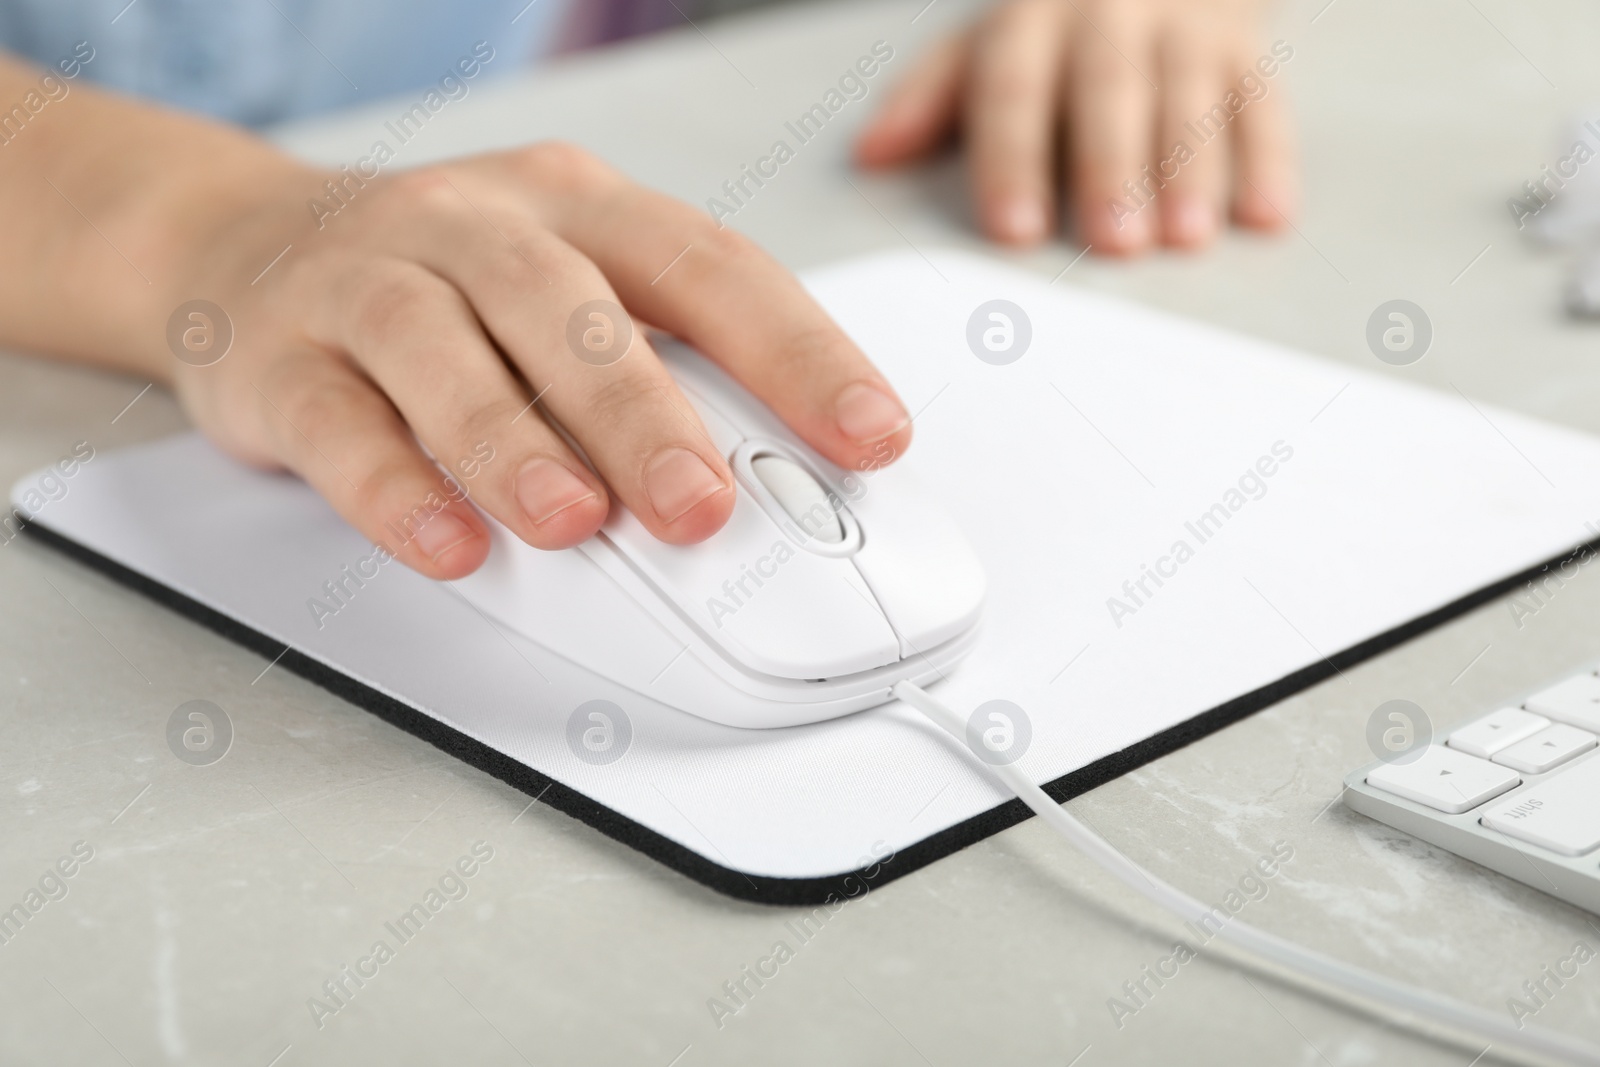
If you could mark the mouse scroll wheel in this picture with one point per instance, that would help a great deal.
(801, 496)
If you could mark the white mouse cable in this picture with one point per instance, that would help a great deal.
(1270, 947)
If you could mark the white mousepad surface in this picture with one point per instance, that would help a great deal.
(1179, 525)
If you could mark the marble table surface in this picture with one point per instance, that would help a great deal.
(219, 900)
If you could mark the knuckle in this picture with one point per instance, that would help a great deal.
(620, 400)
(723, 243)
(1185, 40)
(564, 164)
(427, 188)
(532, 249)
(391, 491)
(387, 301)
(810, 358)
(315, 413)
(489, 425)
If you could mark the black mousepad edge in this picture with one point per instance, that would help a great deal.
(763, 889)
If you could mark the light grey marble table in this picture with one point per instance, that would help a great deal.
(220, 899)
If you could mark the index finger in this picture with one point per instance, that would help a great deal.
(674, 267)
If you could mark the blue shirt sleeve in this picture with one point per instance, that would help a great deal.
(257, 62)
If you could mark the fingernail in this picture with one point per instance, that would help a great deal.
(441, 533)
(1021, 219)
(1193, 221)
(1266, 207)
(1124, 231)
(866, 413)
(677, 480)
(545, 489)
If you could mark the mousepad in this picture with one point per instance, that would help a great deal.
(1181, 526)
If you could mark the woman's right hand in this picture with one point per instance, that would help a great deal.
(442, 312)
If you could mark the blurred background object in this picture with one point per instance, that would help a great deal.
(257, 62)
(1560, 207)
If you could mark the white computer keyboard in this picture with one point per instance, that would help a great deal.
(1517, 791)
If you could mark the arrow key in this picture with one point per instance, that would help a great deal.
(1548, 748)
(1498, 731)
(1444, 779)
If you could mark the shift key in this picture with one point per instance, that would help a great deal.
(1561, 813)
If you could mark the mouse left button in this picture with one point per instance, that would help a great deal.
(723, 433)
(772, 608)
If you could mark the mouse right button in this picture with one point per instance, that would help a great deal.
(926, 577)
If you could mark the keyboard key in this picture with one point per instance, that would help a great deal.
(1444, 779)
(1561, 813)
(1494, 732)
(1547, 748)
(1575, 702)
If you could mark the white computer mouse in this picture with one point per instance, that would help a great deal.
(824, 589)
